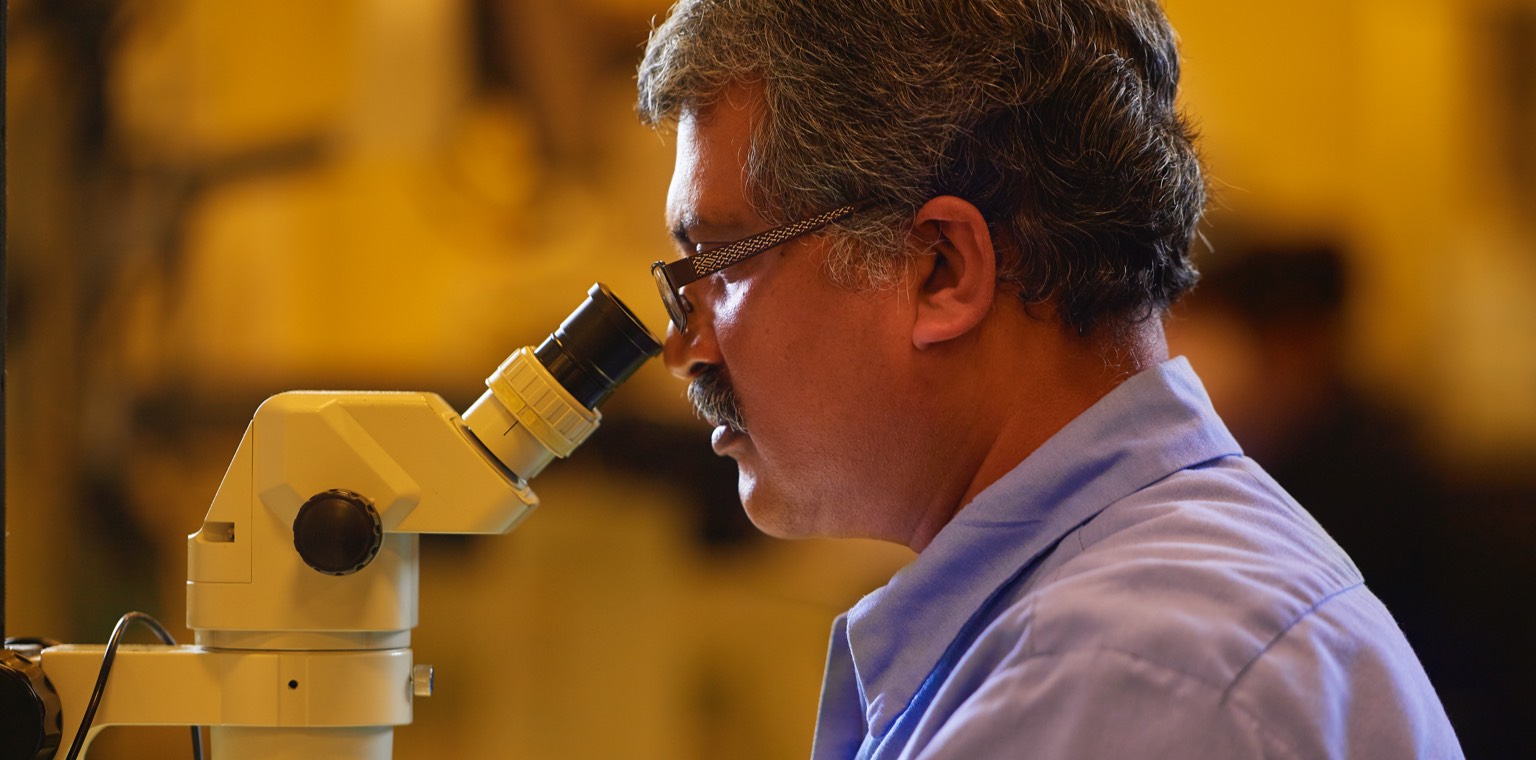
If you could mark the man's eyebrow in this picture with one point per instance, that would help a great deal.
(684, 229)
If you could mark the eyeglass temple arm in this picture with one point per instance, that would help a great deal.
(692, 268)
(682, 272)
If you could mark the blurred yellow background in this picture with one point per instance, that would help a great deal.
(211, 202)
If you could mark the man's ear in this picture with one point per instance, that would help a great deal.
(954, 285)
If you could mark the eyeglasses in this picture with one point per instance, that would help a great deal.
(670, 278)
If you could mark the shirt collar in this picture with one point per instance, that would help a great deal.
(1152, 425)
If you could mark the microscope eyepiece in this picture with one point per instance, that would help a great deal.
(542, 403)
(597, 347)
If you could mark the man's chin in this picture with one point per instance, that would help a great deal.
(770, 513)
(774, 528)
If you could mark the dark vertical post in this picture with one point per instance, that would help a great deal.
(5, 8)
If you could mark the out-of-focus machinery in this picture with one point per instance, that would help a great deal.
(302, 580)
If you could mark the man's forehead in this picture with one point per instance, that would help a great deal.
(707, 197)
(722, 127)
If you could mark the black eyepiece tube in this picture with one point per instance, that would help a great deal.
(597, 347)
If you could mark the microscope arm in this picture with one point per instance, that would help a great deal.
(194, 686)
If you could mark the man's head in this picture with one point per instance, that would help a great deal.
(1055, 118)
(865, 378)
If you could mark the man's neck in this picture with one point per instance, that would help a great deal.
(1032, 399)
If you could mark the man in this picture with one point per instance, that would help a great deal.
(928, 246)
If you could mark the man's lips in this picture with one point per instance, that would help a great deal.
(724, 438)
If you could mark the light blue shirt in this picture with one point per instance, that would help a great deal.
(1135, 588)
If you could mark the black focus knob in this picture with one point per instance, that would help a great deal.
(337, 532)
(29, 709)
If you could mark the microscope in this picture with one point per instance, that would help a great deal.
(302, 578)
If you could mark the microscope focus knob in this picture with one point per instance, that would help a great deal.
(337, 532)
(30, 719)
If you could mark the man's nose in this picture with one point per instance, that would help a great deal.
(690, 352)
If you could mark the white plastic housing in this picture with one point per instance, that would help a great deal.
(408, 453)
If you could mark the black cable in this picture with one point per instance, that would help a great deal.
(101, 683)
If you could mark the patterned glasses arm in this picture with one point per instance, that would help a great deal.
(707, 263)
(670, 278)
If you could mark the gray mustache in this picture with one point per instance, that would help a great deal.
(715, 401)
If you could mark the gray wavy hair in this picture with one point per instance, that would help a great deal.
(1055, 118)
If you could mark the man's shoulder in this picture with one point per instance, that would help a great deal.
(1200, 573)
(1209, 597)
